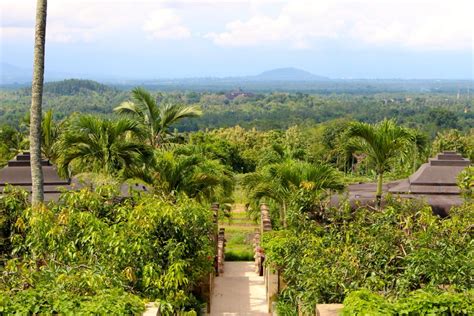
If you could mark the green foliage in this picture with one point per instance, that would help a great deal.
(239, 255)
(177, 171)
(75, 86)
(382, 143)
(91, 144)
(50, 131)
(89, 242)
(400, 249)
(12, 141)
(466, 183)
(46, 301)
(364, 302)
(279, 181)
(455, 140)
(420, 302)
(155, 118)
(12, 202)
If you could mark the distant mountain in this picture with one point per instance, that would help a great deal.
(288, 74)
(12, 74)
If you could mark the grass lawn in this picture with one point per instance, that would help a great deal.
(239, 232)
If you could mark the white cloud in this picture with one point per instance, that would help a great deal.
(90, 20)
(299, 24)
(415, 24)
(166, 24)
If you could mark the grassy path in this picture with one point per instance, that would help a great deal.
(239, 233)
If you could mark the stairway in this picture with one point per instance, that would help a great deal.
(239, 291)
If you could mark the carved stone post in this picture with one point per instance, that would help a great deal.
(215, 213)
(271, 276)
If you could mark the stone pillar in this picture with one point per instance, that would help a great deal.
(257, 251)
(215, 214)
(221, 250)
(271, 276)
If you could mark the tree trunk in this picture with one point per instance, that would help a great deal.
(379, 189)
(37, 195)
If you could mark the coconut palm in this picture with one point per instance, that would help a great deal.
(92, 144)
(37, 194)
(279, 181)
(383, 143)
(155, 119)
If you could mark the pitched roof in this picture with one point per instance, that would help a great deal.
(437, 176)
(435, 182)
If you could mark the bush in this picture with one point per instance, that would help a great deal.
(420, 302)
(364, 302)
(47, 301)
(394, 251)
(89, 242)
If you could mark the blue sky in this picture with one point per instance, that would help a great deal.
(201, 38)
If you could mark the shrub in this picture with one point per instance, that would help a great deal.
(47, 301)
(393, 251)
(420, 302)
(92, 241)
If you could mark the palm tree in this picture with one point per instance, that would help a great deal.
(382, 143)
(50, 135)
(37, 194)
(154, 118)
(279, 181)
(194, 175)
(92, 144)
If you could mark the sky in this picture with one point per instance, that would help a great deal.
(219, 38)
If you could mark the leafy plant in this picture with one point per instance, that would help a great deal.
(393, 251)
(421, 302)
(90, 242)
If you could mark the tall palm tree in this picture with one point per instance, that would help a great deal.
(37, 195)
(156, 119)
(92, 144)
(279, 181)
(382, 143)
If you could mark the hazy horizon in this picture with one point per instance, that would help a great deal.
(163, 39)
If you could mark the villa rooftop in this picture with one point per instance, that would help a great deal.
(18, 173)
(435, 182)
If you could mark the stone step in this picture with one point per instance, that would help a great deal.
(329, 309)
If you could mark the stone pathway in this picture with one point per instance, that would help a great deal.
(239, 291)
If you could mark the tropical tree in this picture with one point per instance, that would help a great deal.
(37, 195)
(154, 118)
(50, 135)
(12, 141)
(279, 181)
(92, 144)
(382, 143)
(462, 143)
(195, 175)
